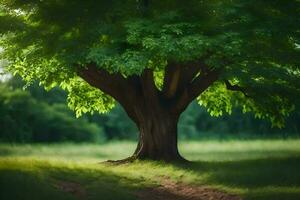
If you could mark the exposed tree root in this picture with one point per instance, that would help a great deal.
(122, 161)
(131, 159)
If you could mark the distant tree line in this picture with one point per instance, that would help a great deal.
(33, 115)
(36, 115)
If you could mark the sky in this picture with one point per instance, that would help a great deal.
(3, 76)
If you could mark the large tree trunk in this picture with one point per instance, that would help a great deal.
(155, 112)
(157, 137)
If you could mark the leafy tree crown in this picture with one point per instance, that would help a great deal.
(254, 45)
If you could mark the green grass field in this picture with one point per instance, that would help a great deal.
(257, 169)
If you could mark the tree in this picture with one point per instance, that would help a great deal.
(27, 117)
(155, 57)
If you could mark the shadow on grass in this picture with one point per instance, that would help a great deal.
(43, 184)
(260, 179)
(268, 178)
(22, 185)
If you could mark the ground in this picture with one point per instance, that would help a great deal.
(227, 170)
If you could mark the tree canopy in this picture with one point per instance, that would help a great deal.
(247, 49)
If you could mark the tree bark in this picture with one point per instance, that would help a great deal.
(157, 136)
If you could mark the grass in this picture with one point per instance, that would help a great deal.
(257, 169)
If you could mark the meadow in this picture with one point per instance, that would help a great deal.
(251, 169)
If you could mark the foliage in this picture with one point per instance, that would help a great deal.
(116, 124)
(254, 44)
(83, 98)
(24, 119)
(36, 115)
(197, 123)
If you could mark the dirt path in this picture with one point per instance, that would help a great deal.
(71, 187)
(170, 190)
(167, 190)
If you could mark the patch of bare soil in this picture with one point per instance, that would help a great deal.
(71, 187)
(170, 190)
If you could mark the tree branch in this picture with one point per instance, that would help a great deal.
(171, 80)
(231, 87)
(177, 77)
(99, 78)
(114, 85)
(149, 88)
(195, 88)
(189, 71)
